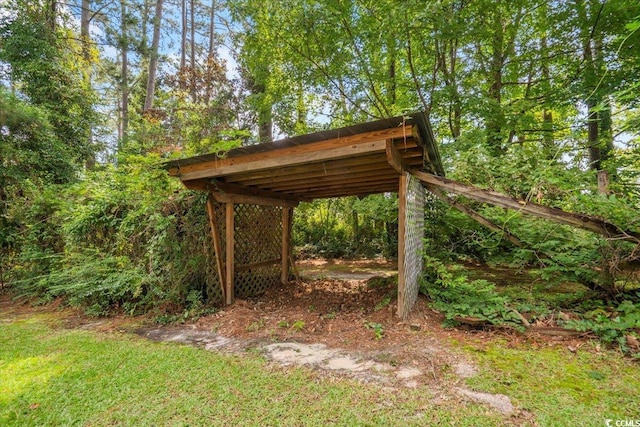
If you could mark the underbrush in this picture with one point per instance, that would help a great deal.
(102, 250)
(527, 302)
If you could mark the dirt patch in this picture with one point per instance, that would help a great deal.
(350, 328)
(345, 269)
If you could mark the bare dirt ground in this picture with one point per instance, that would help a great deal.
(338, 318)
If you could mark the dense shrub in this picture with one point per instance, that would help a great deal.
(126, 238)
(455, 296)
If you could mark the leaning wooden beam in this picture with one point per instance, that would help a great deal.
(474, 215)
(583, 221)
(217, 245)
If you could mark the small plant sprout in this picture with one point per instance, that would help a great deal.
(283, 324)
(298, 325)
(256, 326)
(377, 328)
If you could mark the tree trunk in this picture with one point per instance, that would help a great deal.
(592, 136)
(301, 113)
(211, 55)
(548, 142)
(597, 118)
(212, 29)
(183, 40)
(85, 20)
(153, 62)
(124, 87)
(495, 120)
(85, 36)
(265, 125)
(52, 14)
(391, 72)
(192, 51)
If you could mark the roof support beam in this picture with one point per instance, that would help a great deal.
(304, 171)
(232, 193)
(396, 132)
(328, 180)
(286, 157)
(394, 158)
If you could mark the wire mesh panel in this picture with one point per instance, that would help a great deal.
(413, 244)
(258, 240)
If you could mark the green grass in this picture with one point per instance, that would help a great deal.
(52, 376)
(561, 388)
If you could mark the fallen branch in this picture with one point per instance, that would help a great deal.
(474, 215)
(585, 222)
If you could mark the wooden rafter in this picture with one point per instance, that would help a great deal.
(336, 148)
(233, 193)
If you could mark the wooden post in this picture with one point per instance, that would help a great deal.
(287, 216)
(230, 241)
(402, 221)
(217, 245)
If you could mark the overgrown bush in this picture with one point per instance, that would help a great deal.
(617, 325)
(127, 239)
(454, 295)
(460, 299)
(347, 227)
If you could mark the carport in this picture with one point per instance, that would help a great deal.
(253, 191)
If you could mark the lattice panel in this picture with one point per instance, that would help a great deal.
(258, 238)
(255, 282)
(413, 242)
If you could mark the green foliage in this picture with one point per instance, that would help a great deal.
(612, 325)
(454, 295)
(347, 227)
(383, 303)
(298, 325)
(94, 281)
(45, 69)
(283, 324)
(256, 326)
(377, 328)
(103, 250)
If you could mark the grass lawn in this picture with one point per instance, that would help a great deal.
(74, 377)
(561, 388)
(54, 376)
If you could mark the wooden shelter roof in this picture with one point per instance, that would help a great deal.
(358, 160)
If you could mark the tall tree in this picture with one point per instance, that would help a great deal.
(153, 62)
(183, 34)
(124, 74)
